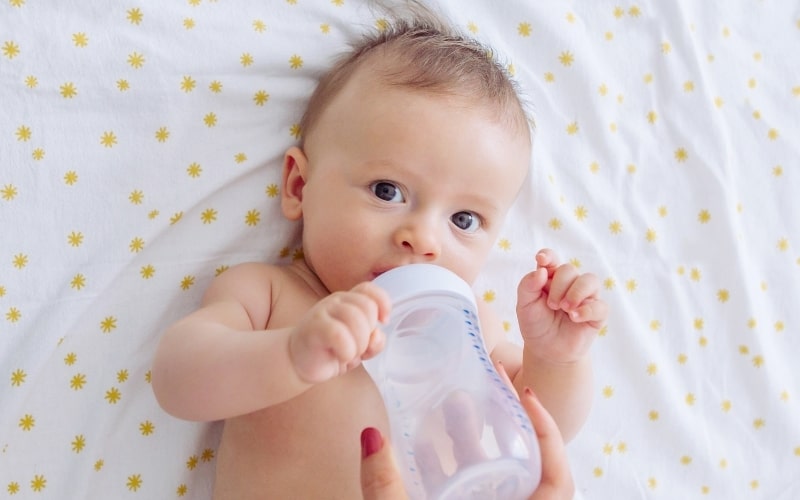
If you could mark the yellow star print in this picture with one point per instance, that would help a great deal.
(27, 422)
(261, 97)
(108, 324)
(187, 282)
(188, 84)
(162, 134)
(252, 218)
(108, 139)
(295, 62)
(134, 482)
(78, 443)
(80, 39)
(18, 377)
(113, 396)
(78, 281)
(23, 133)
(38, 483)
(10, 49)
(135, 16)
(9, 192)
(20, 260)
(136, 60)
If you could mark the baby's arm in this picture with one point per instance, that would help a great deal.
(559, 314)
(215, 363)
(564, 389)
(220, 361)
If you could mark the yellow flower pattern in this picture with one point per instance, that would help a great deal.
(665, 162)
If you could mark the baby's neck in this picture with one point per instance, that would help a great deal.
(301, 268)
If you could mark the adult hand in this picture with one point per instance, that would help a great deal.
(380, 479)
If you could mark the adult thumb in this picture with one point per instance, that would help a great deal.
(380, 479)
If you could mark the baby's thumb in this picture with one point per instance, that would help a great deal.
(377, 341)
(531, 287)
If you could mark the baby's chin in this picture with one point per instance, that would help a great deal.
(334, 283)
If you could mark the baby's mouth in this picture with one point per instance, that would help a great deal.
(380, 271)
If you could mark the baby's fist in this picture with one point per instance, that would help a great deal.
(338, 332)
(558, 309)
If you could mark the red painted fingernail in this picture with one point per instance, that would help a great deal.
(371, 441)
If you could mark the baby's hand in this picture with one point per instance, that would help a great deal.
(558, 309)
(339, 332)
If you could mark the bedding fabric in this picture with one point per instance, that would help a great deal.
(140, 153)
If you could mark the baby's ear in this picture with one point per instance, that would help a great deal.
(295, 165)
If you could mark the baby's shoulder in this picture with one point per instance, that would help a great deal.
(247, 272)
(251, 287)
(257, 278)
(248, 279)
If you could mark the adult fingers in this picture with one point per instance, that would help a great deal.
(556, 481)
(380, 479)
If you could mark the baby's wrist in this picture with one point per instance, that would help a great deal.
(542, 356)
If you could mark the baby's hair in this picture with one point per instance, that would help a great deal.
(417, 50)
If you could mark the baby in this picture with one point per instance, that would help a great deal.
(415, 147)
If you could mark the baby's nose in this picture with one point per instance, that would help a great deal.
(420, 239)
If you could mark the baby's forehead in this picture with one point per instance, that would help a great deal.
(427, 56)
(376, 76)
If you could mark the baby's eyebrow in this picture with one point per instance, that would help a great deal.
(483, 200)
(485, 208)
(386, 163)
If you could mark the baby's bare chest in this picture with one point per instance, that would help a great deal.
(308, 447)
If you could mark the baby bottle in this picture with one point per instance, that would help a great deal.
(457, 429)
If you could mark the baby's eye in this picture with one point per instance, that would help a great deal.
(466, 221)
(387, 191)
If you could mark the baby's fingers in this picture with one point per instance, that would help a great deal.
(377, 341)
(531, 287)
(594, 312)
(379, 298)
(570, 289)
(547, 259)
(354, 330)
(564, 277)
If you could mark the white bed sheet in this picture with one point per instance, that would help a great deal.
(140, 150)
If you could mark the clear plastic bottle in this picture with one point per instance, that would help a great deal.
(457, 429)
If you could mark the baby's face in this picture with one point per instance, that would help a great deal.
(398, 176)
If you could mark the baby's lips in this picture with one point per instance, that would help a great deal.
(380, 270)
